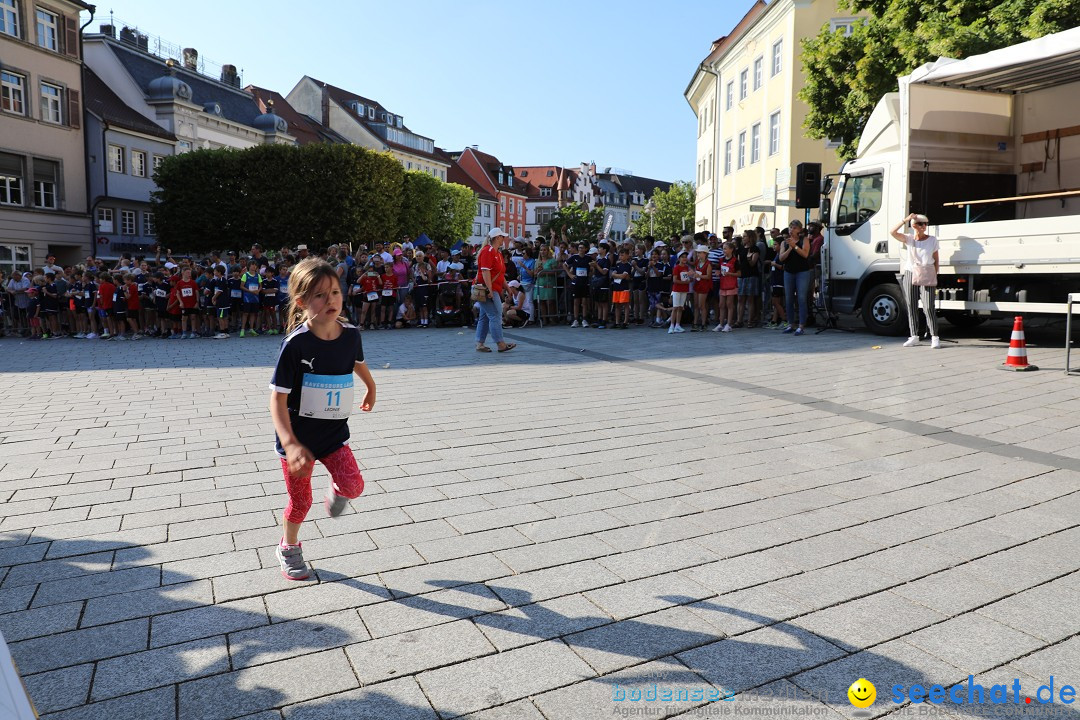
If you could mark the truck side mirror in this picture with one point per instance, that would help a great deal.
(826, 208)
(826, 186)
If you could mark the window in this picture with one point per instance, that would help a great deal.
(476, 229)
(487, 210)
(371, 113)
(758, 64)
(729, 95)
(116, 159)
(15, 258)
(127, 222)
(727, 157)
(502, 204)
(774, 133)
(46, 29)
(700, 173)
(743, 80)
(12, 94)
(138, 163)
(9, 17)
(45, 175)
(50, 103)
(11, 179)
(519, 231)
(742, 149)
(519, 206)
(105, 220)
(860, 200)
(845, 25)
(545, 192)
(544, 215)
(148, 227)
(184, 146)
(487, 228)
(777, 57)
(755, 143)
(157, 160)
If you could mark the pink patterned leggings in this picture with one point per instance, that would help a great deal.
(344, 474)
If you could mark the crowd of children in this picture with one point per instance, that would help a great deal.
(725, 282)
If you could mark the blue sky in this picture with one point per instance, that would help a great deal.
(575, 81)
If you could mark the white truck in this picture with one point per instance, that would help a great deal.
(989, 149)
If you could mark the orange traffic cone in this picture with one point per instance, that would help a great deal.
(1017, 358)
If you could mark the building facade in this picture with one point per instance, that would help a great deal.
(486, 203)
(549, 188)
(43, 196)
(498, 181)
(750, 134)
(123, 149)
(367, 123)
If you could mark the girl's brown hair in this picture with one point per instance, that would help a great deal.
(304, 282)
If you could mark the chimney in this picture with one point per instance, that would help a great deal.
(129, 36)
(191, 58)
(325, 106)
(229, 76)
(107, 29)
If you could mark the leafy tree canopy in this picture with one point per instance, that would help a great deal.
(674, 212)
(847, 75)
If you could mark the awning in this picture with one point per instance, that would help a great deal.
(1034, 65)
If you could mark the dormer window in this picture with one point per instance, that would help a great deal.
(398, 120)
(500, 177)
(371, 113)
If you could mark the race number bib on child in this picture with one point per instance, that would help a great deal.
(186, 292)
(388, 293)
(582, 272)
(373, 296)
(234, 293)
(327, 397)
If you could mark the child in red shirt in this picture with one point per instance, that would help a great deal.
(729, 288)
(370, 285)
(106, 292)
(680, 286)
(133, 306)
(187, 290)
(702, 286)
(389, 295)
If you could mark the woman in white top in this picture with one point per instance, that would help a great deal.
(919, 267)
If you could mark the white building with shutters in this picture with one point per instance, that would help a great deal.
(43, 207)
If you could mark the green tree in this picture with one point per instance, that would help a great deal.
(421, 203)
(574, 223)
(456, 215)
(674, 212)
(847, 75)
(317, 194)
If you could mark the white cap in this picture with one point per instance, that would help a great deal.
(514, 283)
(497, 232)
(920, 218)
(659, 244)
(702, 248)
(301, 247)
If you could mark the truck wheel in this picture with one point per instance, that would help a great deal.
(883, 310)
(964, 319)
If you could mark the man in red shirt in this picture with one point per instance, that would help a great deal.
(187, 290)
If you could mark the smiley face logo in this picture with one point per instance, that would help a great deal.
(862, 693)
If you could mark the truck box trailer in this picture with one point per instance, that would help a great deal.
(989, 149)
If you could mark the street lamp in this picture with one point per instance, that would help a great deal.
(650, 208)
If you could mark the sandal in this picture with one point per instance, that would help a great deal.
(508, 348)
(484, 348)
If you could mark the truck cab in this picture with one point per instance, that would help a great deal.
(981, 147)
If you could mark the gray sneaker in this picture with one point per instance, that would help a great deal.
(334, 503)
(292, 562)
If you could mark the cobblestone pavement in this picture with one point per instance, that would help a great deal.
(594, 513)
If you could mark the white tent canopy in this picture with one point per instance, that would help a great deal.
(1047, 62)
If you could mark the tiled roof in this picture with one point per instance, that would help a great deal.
(344, 98)
(491, 166)
(304, 128)
(236, 104)
(455, 174)
(105, 104)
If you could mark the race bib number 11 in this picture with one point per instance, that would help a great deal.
(327, 397)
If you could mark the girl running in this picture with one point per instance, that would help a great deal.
(311, 398)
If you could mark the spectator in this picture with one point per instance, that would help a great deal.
(546, 277)
(919, 268)
(600, 285)
(680, 287)
(406, 313)
(388, 295)
(250, 293)
(519, 309)
(749, 283)
(776, 282)
(729, 288)
(795, 256)
(620, 288)
(426, 287)
(577, 270)
(491, 275)
(702, 276)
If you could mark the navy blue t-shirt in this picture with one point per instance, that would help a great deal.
(579, 267)
(621, 283)
(603, 263)
(318, 376)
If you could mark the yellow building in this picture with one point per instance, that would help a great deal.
(750, 120)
